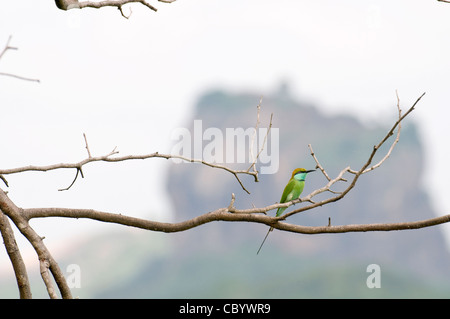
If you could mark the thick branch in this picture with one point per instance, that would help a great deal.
(16, 215)
(13, 251)
(44, 266)
(364, 227)
(224, 214)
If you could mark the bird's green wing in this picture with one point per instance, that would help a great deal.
(284, 197)
(287, 190)
(292, 191)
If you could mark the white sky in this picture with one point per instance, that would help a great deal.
(128, 83)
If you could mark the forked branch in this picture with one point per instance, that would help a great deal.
(364, 169)
(251, 171)
(17, 262)
(5, 49)
(46, 260)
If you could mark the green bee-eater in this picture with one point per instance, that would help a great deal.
(292, 191)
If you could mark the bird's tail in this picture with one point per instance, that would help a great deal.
(271, 228)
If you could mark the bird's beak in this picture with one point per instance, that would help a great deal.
(311, 170)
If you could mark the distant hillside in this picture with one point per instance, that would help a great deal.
(392, 193)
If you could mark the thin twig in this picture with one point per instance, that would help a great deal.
(79, 170)
(6, 48)
(87, 146)
(318, 166)
(252, 142)
(20, 77)
(265, 139)
(4, 180)
(397, 138)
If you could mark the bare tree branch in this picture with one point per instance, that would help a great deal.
(224, 214)
(19, 77)
(44, 266)
(6, 48)
(13, 251)
(4, 180)
(364, 169)
(79, 171)
(108, 158)
(389, 134)
(16, 215)
(75, 4)
(87, 146)
(252, 142)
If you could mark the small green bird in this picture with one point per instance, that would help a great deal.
(292, 191)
